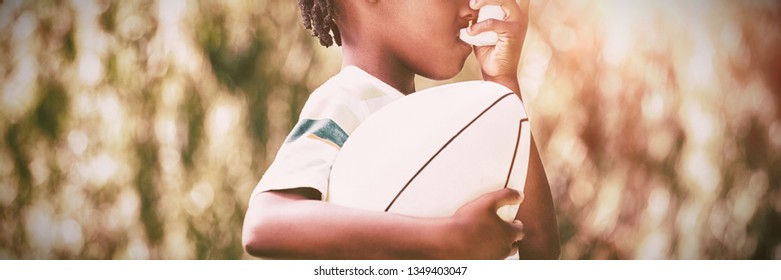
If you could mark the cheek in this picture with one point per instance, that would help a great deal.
(432, 50)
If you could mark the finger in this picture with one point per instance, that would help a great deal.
(514, 236)
(504, 197)
(519, 229)
(498, 26)
(492, 201)
(514, 249)
(510, 7)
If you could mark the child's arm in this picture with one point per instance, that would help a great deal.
(292, 225)
(500, 64)
(542, 232)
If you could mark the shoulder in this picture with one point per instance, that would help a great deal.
(331, 101)
(334, 92)
(348, 98)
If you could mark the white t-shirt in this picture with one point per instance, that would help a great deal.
(330, 115)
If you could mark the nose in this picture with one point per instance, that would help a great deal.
(466, 12)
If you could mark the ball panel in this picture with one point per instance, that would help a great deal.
(401, 138)
(389, 148)
(475, 162)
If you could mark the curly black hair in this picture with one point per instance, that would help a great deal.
(319, 17)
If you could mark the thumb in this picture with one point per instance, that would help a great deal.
(503, 197)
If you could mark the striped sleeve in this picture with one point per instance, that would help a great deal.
(330, 115)
(307, 155)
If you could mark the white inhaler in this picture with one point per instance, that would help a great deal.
(488, 38)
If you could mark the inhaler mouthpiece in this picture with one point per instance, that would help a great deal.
(488, 38)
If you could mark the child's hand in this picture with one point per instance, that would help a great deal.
(499, 63)
(478, 231)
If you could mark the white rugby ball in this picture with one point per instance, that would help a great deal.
(429, 153)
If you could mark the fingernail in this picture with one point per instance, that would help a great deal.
(472, 3)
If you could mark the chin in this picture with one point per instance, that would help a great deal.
(445, 71)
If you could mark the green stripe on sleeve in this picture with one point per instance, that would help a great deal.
(326, 129)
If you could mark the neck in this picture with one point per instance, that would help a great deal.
(386, 68)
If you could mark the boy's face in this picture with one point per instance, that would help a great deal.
(423, 34)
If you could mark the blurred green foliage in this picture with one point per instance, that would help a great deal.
(137, 129)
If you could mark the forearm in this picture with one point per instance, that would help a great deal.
(285, 226)
(541, 239)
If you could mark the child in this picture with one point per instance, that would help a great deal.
(385, 44)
